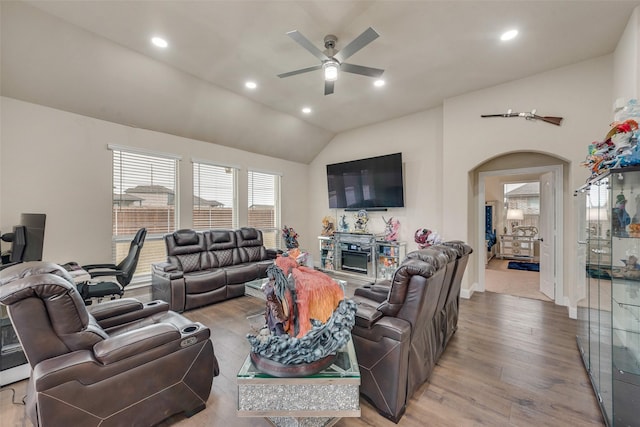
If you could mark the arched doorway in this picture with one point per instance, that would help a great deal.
(549, 171)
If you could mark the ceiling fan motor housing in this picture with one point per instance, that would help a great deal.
(330, 41)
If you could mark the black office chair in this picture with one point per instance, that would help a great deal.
(123, 273)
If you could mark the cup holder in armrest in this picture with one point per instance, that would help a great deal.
(153, 303)
(190, 329)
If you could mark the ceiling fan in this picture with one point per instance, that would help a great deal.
(332, 60)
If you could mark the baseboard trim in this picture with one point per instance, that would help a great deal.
(467, 293)
(573, 310)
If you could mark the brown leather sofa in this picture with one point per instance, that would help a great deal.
(204, 267)
(402, 325)
(123, 363)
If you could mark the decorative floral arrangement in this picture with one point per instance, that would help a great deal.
(620, 146)
(290, 237)
(425, 238)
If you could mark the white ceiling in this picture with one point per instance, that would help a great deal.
(430, 50)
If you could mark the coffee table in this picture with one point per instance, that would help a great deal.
(317, 400)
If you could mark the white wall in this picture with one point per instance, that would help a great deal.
(58, 163)
(419, 138)
(626, 76)
(580, 93)
(442, 148)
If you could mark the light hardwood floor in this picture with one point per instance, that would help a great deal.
(512, 362)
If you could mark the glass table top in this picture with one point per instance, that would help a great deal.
(345, 366)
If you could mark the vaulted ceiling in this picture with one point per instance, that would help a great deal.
(94, 58)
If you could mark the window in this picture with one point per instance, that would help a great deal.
(213, 196)
(144, 195)
(264, 206)
(523, 198)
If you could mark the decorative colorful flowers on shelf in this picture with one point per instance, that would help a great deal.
(620, 146)
(290, 237)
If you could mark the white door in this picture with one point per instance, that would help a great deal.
(547, 233)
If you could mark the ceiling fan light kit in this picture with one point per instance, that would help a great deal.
(332, 60)
(331, 69)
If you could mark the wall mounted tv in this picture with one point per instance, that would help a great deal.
(372, 183)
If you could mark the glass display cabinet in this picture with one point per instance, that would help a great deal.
(608, 333)
(389, 256)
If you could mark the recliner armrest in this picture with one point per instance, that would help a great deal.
(366, 315)
(273, 253)
(134, 342)
(377, 294)
(115, 307)
(124, 310)
(167, 270)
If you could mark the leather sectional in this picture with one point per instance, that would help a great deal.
(205, 267)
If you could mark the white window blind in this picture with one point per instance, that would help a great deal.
(263, 206)
(144, 195)
(213, 196)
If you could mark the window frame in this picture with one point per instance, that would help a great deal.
(277, 185)
(141, 277)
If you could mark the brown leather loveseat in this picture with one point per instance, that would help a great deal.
(123, 363)
(403, 325)
(204, 267)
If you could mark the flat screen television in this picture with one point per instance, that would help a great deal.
(375, 182)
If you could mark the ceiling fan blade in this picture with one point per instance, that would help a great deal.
(359, 69)
(305, 43)
(358, 43)
(300, 71)
(328, 87)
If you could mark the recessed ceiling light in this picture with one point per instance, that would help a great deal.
(508, 35)
(251, 85)
(159, 41)
(306, 110)
(378, 83)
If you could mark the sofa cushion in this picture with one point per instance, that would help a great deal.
(204, 281)
(241, 273)
(189, 262)
(252, 253)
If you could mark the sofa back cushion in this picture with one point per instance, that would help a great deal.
(250, 245)
(185, 249)
(221, 247)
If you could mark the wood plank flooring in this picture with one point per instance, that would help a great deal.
(512, 362)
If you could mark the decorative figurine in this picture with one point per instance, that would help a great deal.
(620, 217)
(344, 227)
(425, 238)
(328, 226)
(362, 218)
(290, 237)
(391, 229)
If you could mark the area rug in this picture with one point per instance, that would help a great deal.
(527, 266)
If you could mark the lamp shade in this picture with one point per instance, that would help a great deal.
(515, 214)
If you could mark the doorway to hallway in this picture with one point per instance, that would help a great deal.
(493, 274)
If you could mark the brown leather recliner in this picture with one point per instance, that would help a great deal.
(123, 363)
(398, 340)
(452, 303)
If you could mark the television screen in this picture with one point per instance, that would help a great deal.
(374, 182)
